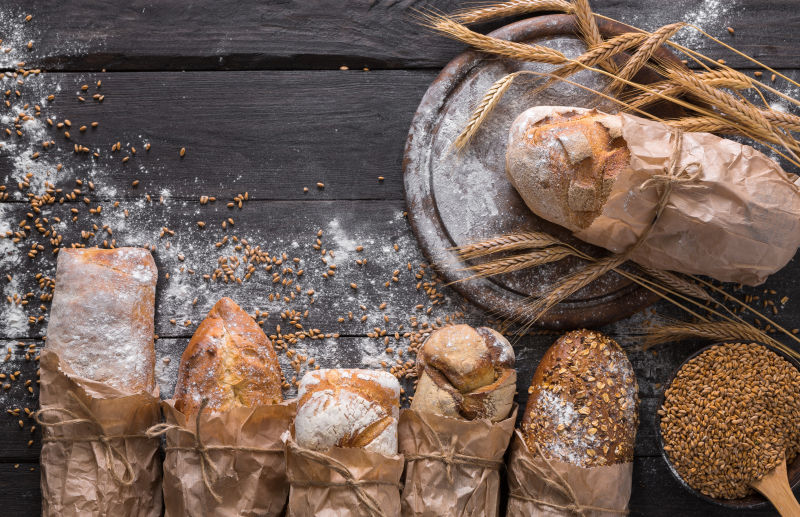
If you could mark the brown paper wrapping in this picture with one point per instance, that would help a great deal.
(472, 488)
(540, 487)
(342, 482)
(738, 221)
(96, 459)
(245, 464)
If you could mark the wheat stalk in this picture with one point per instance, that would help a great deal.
(517, 262)
(510, 49)
(513, 8)
(646, 51)
(704, 124)
(489, 101)
(677, 283)
(510, 242)
(569, 286)
(715, 331)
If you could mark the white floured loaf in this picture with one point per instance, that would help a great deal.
(348, 408)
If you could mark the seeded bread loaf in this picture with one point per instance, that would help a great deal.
(101, 319)
(583, 402)
(229, 362)
(563, 161)
(348, 408)
(466, 373)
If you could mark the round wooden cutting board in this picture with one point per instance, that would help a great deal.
(455, 198)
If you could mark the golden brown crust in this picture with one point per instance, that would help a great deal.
(583, 402)
(466, 373)
(564, 164)
(101, 319)
(229, 362)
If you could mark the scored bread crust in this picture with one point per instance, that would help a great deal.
(348, 408)
(563, 161)
(583, 402)
(466, 373)
(229, 362)
(101, 318)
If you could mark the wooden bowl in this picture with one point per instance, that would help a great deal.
(750, 502)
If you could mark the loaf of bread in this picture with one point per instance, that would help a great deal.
(101, 319)
(466, 373)
(731, 212)
(583, 402)
(229, 362)
(348, 408)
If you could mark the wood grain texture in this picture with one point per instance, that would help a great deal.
(266, 133)
(326, 34)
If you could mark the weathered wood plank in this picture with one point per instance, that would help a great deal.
(252, 34)
(655, 493)
(266, 133)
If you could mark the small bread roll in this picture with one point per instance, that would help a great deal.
(348, 408)
(583, 403)
(229, 362)
(466, 373)
(101, 319)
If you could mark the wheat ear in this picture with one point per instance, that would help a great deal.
(510, 242)
(489, 101)
(517, 262)
(716, 331)
(515, 7)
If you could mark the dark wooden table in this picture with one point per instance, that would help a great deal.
(257, 93)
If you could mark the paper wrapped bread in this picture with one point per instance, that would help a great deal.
(229, 363)
(733, 214)
(466, 373)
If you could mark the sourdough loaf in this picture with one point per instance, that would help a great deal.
(348, 408)
(229, 362)
(564, 161)
(101, 319)
(467, 373)
(583, 402)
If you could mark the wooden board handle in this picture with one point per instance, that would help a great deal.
(775, 487)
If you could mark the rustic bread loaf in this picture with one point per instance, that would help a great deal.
(466, 373)
(348, 408)
(101, 319)
(229, 362)
(583, 402)
(563, 162)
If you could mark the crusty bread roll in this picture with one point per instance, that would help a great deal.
(348, 408)
(583, 402)
(564, 160)
(101, 319)
(466, 373)
(229, 362)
